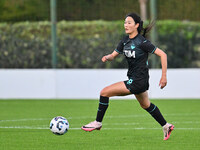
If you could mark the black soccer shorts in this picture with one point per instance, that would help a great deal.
(137, 86)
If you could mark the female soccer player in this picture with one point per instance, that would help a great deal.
(135, 47)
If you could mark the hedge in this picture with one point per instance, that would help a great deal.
(81, 44)
(39, 10)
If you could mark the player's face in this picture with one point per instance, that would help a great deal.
(130, 26)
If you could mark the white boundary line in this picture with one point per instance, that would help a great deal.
(31, 119)
(95, 99)
(88, 117)
(45, 128)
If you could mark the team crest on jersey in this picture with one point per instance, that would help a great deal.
(132, 46)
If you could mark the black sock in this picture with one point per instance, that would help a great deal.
(156, 114)
(103, 105)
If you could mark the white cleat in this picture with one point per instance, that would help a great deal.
(167, 129)
(95, 125)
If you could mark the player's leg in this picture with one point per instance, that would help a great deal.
(143, 99)
(116, 89)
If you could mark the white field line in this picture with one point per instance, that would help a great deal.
(70, 118)
(88, 117)
(143, 123)
(45, 128)
(137, 123)
(31, 119)
(84, 117)
(93, 99)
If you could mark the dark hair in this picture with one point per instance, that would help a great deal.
(140, 29)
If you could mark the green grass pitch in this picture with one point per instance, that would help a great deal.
(24, 125)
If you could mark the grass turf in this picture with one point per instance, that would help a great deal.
(24, 125)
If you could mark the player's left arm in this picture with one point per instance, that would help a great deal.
(163, 58)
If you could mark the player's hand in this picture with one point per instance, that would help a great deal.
(163, 82)
(104, 58)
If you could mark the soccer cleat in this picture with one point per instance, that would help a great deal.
(92, 126)
(167, 129)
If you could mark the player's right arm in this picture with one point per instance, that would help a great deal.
(116, 52)
(110, 57)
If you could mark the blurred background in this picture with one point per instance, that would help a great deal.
(68, 34)
(50, 65)
(88, 29)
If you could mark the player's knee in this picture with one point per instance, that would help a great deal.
(104, 92)
(144, 106)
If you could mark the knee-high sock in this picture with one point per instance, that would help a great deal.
(156, 114)
(103, 105)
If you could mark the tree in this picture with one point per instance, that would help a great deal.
(21, 10)
(143, 10)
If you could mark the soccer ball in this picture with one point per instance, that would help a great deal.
(59, 125)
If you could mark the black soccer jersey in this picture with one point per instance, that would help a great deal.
(136, 52)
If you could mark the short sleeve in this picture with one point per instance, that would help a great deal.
(148, 47)
(120, 47)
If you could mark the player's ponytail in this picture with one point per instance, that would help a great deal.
(140, 29)
(147, 28)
